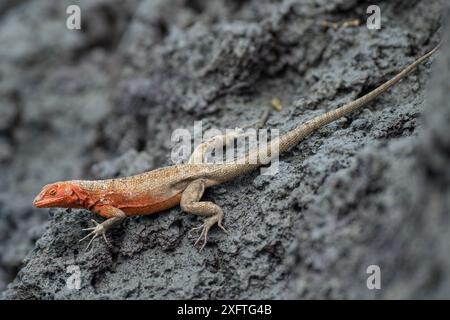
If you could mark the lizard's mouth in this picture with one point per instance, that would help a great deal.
(45, 203)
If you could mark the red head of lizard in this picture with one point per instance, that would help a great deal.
(58, 194)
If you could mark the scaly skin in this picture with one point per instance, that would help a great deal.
(161, 189)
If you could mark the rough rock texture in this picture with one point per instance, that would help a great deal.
(372, 188)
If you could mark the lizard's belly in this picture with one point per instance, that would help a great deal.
(149, 207)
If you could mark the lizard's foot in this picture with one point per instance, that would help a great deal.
(99, 229)
(205, 229)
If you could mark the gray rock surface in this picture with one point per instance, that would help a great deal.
(372, 188)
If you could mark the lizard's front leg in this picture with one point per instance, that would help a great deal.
(190, 202)
(114, 216)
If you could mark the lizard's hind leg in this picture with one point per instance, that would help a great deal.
(200, 153)
(190, 202)
(225, 140)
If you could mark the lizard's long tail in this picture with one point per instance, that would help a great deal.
(264, 154)
(294, 136)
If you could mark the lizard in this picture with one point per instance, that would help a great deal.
(184, 184)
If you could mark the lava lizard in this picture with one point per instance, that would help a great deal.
(164, 188)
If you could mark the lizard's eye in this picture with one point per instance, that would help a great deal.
(52, 192)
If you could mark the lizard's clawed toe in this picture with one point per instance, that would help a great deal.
(92, 228)
(99, 229)
(195, 228)
(205, 227)
(203, 236)
(223, 228)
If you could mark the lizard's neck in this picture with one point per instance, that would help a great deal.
(83, 193)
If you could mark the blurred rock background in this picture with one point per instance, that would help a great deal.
(102, 102)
